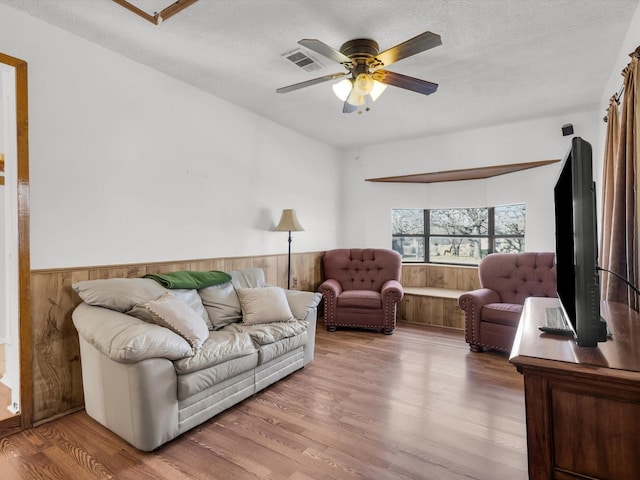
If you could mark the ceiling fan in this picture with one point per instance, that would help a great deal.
(366, 77)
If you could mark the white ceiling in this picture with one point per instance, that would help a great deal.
(500, 60)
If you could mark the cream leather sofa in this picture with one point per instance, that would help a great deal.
(148, 384)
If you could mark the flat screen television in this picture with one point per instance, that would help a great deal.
(578, 282)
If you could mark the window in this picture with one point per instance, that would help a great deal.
(457, 235)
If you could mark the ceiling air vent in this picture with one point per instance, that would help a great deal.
(302, 60)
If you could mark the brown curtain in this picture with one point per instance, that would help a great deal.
(619, 246)
(610, 156)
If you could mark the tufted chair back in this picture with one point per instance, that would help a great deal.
(517, 276)
(362, 268)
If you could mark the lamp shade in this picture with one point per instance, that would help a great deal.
(355, 99)
(342, 89)
(363, 84)
(289, 222)
(378, 88)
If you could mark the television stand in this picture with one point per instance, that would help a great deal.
(582, 404)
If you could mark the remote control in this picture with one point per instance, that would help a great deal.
(556, 331)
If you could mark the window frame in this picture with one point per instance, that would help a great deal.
(491, 236)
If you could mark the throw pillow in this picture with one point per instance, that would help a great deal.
(222, 304)
(120, 294)
(190, 297)
(264, 305)
(248, 278)
(171, 312)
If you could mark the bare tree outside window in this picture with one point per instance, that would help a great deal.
(509, 228)
(407, 227)
(407, 222)
(457, 235)
(455, 229)
(459, 221)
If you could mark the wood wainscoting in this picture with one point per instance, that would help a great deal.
(432, 291)
(57, 377)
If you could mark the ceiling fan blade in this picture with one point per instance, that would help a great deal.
(325, 50)
(308, 83)
(406, 82)
(418, 44)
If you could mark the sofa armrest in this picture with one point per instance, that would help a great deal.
(137, 401)
(300, 302)
(304, 307)
(330, 287)
(479, 298)
(127, 339)
(471, 303)
(330, 290)
(391, 291)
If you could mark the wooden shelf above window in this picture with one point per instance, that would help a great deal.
(463, 174)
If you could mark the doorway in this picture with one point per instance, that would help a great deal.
(16, 385)
(6, 402)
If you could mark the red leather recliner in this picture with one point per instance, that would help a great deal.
(492, 313)
(361, 288)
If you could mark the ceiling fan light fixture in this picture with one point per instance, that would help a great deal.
(355, 99)
(378, 88)
(342, 89)
(363, 84)
(364, 63)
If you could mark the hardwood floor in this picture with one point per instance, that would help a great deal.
(413, 405)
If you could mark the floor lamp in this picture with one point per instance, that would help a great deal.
(289, 223)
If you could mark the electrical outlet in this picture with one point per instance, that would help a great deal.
(294, 282)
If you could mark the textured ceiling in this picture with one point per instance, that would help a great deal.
(500, 61)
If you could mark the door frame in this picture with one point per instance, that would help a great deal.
(24, 419)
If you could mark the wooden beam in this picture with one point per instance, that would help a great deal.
(177, 7)
(159, 17)
(136, 10)
(463, 174)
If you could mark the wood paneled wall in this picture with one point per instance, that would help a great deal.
(451, 277)
(438, 306)
(57, 377)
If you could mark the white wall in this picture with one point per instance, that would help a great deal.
(130, 165)
(369, 204)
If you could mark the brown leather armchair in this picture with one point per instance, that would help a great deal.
(492, 313)
(361, 288)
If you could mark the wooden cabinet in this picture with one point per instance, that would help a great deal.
(582, 404)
